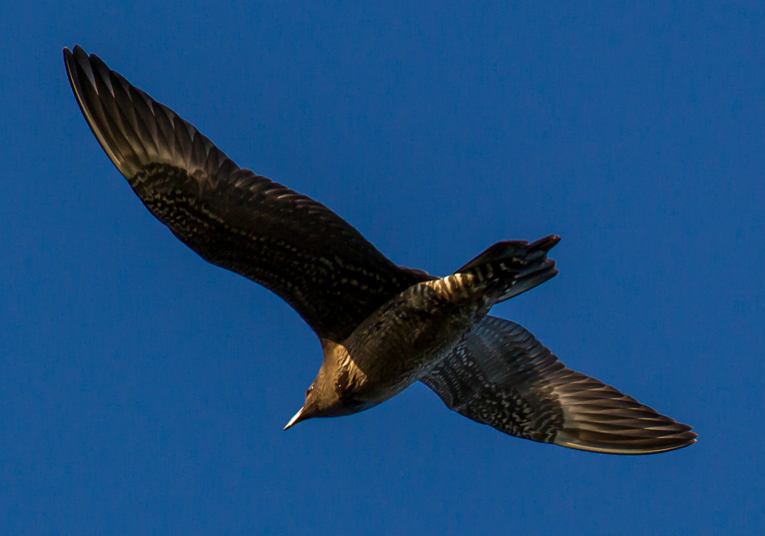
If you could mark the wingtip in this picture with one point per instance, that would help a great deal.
(638, 441)
(71, 59)
(68, 56)
(75, 51)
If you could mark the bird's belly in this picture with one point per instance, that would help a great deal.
(387, 365)
(408, 336)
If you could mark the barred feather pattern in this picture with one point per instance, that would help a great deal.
(503, 377)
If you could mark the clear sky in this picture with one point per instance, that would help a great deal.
(143, 391)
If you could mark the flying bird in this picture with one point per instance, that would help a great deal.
(382, 327)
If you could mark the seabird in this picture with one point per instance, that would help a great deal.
(382, 327)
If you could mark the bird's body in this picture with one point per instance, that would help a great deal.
(382, 327)
(404, 338)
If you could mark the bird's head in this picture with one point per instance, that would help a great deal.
(323, 397)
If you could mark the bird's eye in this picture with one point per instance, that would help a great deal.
(308, 391)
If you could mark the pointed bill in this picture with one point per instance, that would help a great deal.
(296, 419)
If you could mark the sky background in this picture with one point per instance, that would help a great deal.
(143, 391)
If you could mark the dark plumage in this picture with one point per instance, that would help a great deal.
(382, 327)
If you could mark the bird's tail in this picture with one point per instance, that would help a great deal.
(515, 265)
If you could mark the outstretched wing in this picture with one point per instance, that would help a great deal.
(502, 376)
(296, 247)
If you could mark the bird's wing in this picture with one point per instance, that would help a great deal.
(296, 247)
(502, 376)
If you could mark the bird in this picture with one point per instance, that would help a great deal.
(381, 327)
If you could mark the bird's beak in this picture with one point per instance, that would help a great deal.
(296, 419)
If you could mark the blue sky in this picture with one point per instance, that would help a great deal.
(143, 391)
